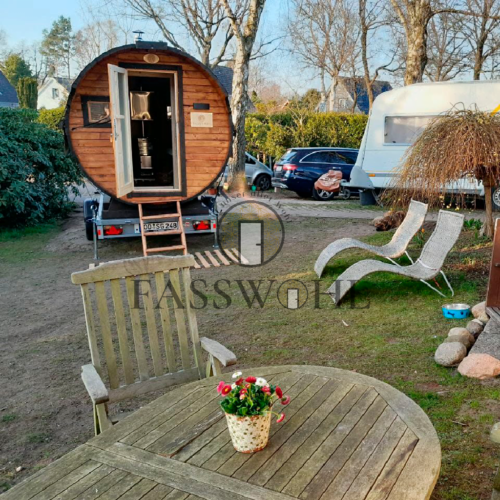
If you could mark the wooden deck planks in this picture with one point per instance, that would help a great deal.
(342, 453)
(289, 469)
(342, 439)
(370, 471)
(316, 461)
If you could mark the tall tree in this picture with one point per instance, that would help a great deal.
(448, 50)
(373, 17)
(325, 37)
(58, 45)
(202, 21)
(415, 16)
(482, 32)
(245, 25)
(94, 39)
(15, 67)
(27, 92)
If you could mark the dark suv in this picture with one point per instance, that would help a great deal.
(299, 168)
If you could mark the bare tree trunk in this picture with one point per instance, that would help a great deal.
(489, 227)
(416, 57)
(239, 106)
(244, 26)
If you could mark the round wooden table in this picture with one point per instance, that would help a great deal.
(346, 436)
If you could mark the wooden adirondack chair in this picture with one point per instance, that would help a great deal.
(129, 362)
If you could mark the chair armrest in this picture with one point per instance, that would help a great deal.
(218, 351)
(94, 385)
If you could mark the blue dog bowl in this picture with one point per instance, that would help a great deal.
(456, 311)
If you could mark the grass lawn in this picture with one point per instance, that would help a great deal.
(391, 334)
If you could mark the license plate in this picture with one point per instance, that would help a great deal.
(160, 226)
(278, 169)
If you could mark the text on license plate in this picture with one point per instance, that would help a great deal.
(160, 226)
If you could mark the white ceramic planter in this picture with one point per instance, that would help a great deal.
(249, 434)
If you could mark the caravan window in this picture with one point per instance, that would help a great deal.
(404, 129)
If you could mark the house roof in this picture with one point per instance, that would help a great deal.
(225, 76)
(64, 82)
(357, 89)
(7, 91)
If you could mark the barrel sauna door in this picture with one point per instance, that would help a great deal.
(120, 110)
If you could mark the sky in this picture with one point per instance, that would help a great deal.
(24, 21)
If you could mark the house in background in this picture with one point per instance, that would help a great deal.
(8, 94)
(350, 96)
(53, 92)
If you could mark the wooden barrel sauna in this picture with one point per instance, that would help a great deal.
(148, 124)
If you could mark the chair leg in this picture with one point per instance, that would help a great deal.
(433, 288)
(101, 420)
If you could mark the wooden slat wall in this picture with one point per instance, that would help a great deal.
(206, 149)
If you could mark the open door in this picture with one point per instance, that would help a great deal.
(120, 119)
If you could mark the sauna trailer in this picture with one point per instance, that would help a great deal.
(398, 117)
(150, 127)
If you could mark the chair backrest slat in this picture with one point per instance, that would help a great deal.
(121, 329)
(147, 297)
(165, 321)
(125, 341)
(135, 319)
(107, 342)
(191, 315)
(179, 318)
(89, 320)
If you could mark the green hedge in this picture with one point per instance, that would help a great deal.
(35, 171)
(274, 134)
(52, 117)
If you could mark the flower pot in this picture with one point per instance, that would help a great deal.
(249, 434)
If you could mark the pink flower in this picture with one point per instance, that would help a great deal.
(242, 397)
(221, 386)
(266, 389)
(281, 418)
(239, 381)
(279, 392)
(285, 400)
(251, 380)
(226, 390)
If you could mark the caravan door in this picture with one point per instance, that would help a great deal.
(120, 119)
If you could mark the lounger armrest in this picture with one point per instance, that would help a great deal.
(218, 351)
(94, 385)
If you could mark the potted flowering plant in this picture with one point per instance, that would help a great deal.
(248, 407)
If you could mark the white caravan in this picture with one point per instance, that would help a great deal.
(399, 116)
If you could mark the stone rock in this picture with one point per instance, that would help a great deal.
(479, 310)
(450, 353)
(495, 433)
(484, 318)
(475, 327)
(481, 366)
(457, 331)
(466, 339)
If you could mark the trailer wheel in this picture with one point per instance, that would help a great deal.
(89, 230)
(495, 198)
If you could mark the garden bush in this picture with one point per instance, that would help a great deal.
(35, 170)
(52, 117)
(273, 134)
